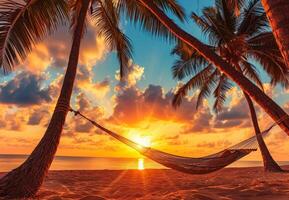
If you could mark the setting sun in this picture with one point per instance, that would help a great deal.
(140, 164)
(144, 141)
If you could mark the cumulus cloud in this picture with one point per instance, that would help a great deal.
(133, 74)
(24, 89)
(76, 124)
(95, 89)
(38, 60)
(236, 113)
(133, 106)
(93, 47)
(233, 117)
(54, 50)
(37, 116)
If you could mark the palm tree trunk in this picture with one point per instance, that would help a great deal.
(273, 109)
(25, 180)
(268, 161)
(277, 13)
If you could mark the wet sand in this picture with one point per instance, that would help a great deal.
(231, 183)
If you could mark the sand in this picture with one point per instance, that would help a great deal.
(234, 183)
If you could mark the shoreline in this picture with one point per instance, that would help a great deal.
(284, 167)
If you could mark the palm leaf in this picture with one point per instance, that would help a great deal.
(137, 13)
(23, 24)
(191, 62)
(207, 87)
(220, 92)
(253, 19)
(235, 5)
(275, 68)
(226, 14)
(204, 22)
(264, 49)
(105, 16)
(251, 72)
(195, 82)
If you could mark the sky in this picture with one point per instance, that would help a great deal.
(139, 108)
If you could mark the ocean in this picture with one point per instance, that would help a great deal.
(9, 162)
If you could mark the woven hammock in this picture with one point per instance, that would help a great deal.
(202, 165)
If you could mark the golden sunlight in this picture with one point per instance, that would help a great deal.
(140, 164)
(144, 141)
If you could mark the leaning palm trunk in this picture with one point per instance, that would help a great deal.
(277, 13)
(273, 109)
(25, 180)
(268, 161)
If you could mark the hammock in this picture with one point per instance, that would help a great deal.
(202, 165)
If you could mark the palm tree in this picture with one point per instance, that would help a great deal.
(25, 180)
(268, 105)
(277, 13)
(238, 39)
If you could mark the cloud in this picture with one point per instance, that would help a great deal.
(93, 47)
(54, 50)
(14, 118)
(37, 116)
(83, 127)
(133, 74)
(95, 89)
(2, 124)
(133, 106)
(236, 113)
(77, 124)
(38, 60)
(24, 89)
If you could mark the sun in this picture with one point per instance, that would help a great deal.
(144, 141)
(139, 138)
(140, 165)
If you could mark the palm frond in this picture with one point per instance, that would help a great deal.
(220, 92)
(139, 15)
(207, 87)
(251, 72)
(205, 23)
(105, 16)
(253, 19)
(172, 6)
(275, 67)
(226, 13)
(23, 24)
(190, 62)
(195, 82)
(235, 5)
(264, 49)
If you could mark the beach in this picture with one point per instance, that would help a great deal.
(157, 184)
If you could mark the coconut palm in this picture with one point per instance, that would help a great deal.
(268, 105)
(240, 40)
(277, 13)
(22, 25)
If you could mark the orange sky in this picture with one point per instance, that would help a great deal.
(140, 113)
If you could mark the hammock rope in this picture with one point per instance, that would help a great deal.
(190, 165)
